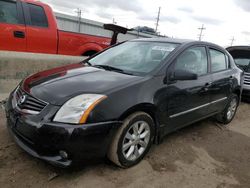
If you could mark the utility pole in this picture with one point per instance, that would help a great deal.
(232, 41)
(114, 22)
(79, 15)
(157, 20)
(202, 28)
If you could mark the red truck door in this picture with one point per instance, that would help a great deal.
(12, 28)
(41, 28)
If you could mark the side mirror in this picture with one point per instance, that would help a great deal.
(184, 75)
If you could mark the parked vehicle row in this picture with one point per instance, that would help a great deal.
(120, 101)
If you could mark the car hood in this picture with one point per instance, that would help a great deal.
(58, 85)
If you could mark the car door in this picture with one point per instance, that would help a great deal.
(13, 33)
(222, 79)
(40, 28)
(188, 100)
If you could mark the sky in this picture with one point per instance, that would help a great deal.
(223, 19)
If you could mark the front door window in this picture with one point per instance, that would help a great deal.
(193, 60)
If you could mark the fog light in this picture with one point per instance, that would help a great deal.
(63, 154)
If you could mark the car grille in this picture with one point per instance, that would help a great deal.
(247, 78)
(27, 103)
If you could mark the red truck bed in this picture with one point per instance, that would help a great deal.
(80, 44)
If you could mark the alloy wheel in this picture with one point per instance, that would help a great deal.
(232, 109)
(136, 140)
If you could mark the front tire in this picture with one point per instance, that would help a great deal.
(132, 140)
(229, 112)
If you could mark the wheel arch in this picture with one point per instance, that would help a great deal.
(89, 53)
(148, 108)
(90, 48)
(238, 92)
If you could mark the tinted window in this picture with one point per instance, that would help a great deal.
(8, 12)
(218, 61)
(37, 16)
(193, 60)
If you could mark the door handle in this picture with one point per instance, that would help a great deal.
(19, 34)
(208, 84)
(206, 87)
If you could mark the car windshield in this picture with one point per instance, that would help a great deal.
(135, 57)
(242, 62)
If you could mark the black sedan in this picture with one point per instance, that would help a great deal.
(120, 101)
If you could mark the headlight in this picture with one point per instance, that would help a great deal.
(77, 109)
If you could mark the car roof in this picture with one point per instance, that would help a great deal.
(182, 42)
(178, 41)
(165, 39)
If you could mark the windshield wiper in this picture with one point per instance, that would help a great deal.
(245, 68)
(110, 68)
(86, 62)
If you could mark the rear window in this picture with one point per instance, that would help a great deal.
(218, 61)
(37, 16)
(8, 12)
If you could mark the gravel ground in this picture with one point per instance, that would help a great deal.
(205, 154)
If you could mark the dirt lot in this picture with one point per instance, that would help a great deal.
(201, 155)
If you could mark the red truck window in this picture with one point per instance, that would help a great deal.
(8, 12)
(37, 16)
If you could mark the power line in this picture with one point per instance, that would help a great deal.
(158, 19)
(202, 28)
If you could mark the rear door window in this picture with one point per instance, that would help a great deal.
(218, 60)
(8, 12)
(37, 16)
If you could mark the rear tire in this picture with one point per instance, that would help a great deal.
(132, 140)
(229, 112)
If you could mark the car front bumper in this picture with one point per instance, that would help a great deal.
(60, 144)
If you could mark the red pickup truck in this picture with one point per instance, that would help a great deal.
(30, 26)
